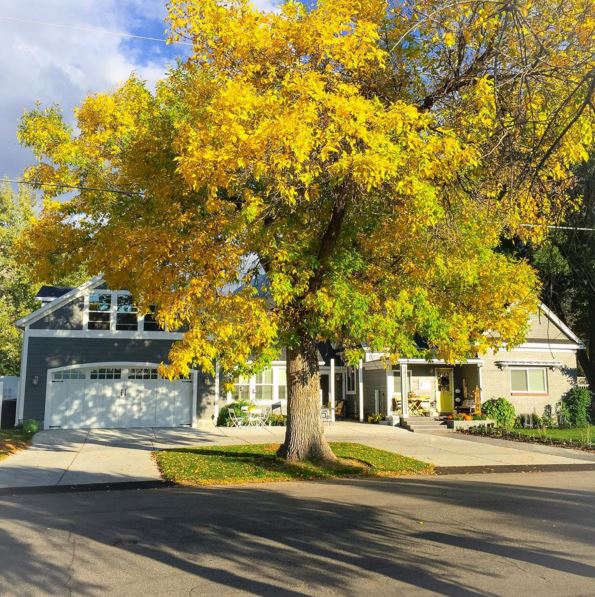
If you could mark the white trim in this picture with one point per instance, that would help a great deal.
(57, 303)
(22, 377)
(130, 335)
(361, 390)
(332, 390)
(217, 391)
(557, 321)
(403, 372)
(194, 419)
(547, 346)
(390, 390)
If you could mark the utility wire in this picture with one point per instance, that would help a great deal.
(92, 30)
(70, 186)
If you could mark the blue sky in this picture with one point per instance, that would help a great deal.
(74, 48)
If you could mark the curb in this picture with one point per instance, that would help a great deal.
(513, 468)
(85, 487)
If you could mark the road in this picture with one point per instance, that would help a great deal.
(498, 534)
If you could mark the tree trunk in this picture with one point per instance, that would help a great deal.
(304, 435)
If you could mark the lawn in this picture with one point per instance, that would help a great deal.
(12, 440)
(216, 465)
(576, 435)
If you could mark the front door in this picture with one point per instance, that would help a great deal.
(444, 379)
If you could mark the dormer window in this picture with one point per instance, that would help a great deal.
(99, 311)
(126, 314)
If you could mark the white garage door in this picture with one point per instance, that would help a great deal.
(114, 397)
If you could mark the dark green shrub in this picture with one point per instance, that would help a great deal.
(501, 411)
(574, 408)
(30, 426)
(236, 407)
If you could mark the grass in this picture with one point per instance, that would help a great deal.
(576, 435)
(13, 440)
(215, 465)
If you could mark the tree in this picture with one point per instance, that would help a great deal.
(17, 290)
(363, 158)
(566, 264)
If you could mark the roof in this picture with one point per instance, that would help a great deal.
(51, 292)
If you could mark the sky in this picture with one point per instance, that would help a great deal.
(55, 62)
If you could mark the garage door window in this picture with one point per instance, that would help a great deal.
(107, 373)
(74, 374)
(142, 373)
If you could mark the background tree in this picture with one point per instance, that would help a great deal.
(364, 158)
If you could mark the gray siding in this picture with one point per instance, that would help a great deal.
(67, 317)
(374, 379)
(48, 353)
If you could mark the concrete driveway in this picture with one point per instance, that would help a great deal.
(74, 457)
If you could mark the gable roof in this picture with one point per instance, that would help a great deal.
(559, 323)
(56, 303)
(49, 293)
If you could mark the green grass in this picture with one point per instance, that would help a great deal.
(576, 435)
(216, 465)
(12, 440)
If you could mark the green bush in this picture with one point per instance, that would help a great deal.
(30, 426)
(501, 411)
(276, 420)
(574, 408)
(223, 419)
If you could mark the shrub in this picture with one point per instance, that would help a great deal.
(276, 420)
(30, 426)
(236, 407)
(574, 408)
(375, 418)
(502, 411)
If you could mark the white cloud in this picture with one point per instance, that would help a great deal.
(60, 65)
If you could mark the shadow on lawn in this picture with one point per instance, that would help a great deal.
(298, 539)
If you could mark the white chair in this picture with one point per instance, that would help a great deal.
(235, 420)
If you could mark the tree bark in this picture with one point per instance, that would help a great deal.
(304, 435)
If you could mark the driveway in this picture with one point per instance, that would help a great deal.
(460, 536)
(74, 457)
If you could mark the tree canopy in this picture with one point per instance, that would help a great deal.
(362, 157)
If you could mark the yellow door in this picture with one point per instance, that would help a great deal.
(445, 390)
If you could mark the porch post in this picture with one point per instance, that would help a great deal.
(404, 391)
(332, 390)
(361, 391)
(217, 391)
(390, 383)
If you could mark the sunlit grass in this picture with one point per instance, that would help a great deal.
(215, 465)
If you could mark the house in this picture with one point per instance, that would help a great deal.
(91, 360)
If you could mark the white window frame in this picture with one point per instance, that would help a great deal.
(529, 391)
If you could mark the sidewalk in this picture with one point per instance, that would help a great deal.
(108, 456)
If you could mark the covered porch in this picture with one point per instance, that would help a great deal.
(418, 388)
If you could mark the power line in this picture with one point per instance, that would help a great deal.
(73, 187)
(92, 30)
(559, 227)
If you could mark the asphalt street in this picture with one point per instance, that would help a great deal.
(499, 534)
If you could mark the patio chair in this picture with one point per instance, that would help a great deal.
(235, 420)
(340, 409)
(256, 418)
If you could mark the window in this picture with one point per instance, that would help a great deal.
(107, 373)
(142, 373)
(71, 374)
(282, 383)
(531, 380)
(241, 389)
(151, 324)
(264, 385)
(99, 311)
(126, 314)
(350, 380)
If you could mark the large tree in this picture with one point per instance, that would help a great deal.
(344, 172)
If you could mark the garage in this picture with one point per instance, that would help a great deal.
(116, 397)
